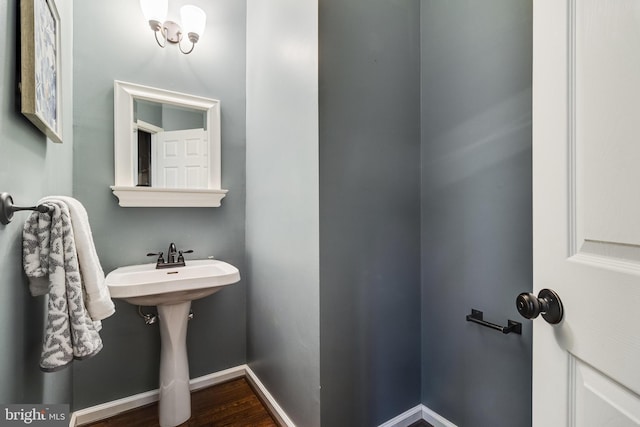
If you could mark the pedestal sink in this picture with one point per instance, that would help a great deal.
(172, 290)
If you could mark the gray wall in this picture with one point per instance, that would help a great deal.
(127, 51)
(31, 167)
(476, 208)
(369, 210)
(282, 203)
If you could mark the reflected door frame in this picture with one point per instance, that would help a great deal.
(151, 130)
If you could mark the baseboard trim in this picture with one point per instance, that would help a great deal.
(406, 418)
(435, 419)
(110, 409)
(276, 411)
(417, 413)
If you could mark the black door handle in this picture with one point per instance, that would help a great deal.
(547, 303)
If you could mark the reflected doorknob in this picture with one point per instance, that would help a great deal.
(547, 303)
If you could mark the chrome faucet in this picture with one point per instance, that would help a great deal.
(172, 254)
(175, 258)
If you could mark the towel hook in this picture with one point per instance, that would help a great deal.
(7, 208)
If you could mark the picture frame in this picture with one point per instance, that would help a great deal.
(40, 77)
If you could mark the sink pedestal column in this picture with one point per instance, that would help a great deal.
(175, 397)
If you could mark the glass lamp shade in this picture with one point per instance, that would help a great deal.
(154, 10)
(193, 19)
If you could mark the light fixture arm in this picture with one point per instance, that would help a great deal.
(193, 38)
(156, 27)
(189, 51)
(164, 36)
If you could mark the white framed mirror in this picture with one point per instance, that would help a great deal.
(167, 148)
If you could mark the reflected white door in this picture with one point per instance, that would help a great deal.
(586, 198)
(181, 159)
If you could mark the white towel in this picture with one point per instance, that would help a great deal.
(49, 255)
(97, 297)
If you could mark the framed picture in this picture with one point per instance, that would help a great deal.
(40, 66)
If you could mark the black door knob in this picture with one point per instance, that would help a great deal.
(547, 303)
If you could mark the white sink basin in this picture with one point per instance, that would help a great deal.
(172, 290)
(145, 285)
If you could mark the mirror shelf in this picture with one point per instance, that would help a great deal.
(135, 184)
(168, 197)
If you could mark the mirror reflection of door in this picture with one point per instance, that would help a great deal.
(172, 159)
(147, 137)
(172, 148)
(181, 159)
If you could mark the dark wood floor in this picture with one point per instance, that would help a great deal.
(232, 404)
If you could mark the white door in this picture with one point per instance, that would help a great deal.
(586, 201)
(181, 159)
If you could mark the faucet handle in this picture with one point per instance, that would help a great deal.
(159, 255)
(181, 257)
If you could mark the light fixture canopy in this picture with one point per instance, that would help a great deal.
(193, 20)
